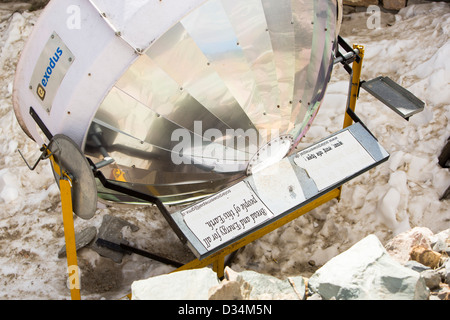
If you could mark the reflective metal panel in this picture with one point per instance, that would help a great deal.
(213, 32)
(250, 26)
(211, 93)
(319, 68)
(316, 58)
(178, 55)
(303, 19)
(282, 33)
(154, 88)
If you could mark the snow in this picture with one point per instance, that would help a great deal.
(391, 198)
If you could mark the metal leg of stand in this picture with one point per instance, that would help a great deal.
(354, 90)
(356, 79)
(219, 266)
(69, 233)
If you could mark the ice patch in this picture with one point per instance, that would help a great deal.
(9, 186)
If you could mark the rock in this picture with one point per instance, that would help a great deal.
(426, 256)
(111, 231)
(25, 4)
(230, 290)
(416, 266)
(250, 285)
(299, 286)
(203, 284)
(432, 278)
(182, 285)
(82, 239)
(394, 4)
(265, 287)
(447, 272)
(367, 271)
(315, 296)
(400, 246)
(440, 245)
(233, 287)
(444, 293)
(440, 242)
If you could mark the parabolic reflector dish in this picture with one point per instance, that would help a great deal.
(186, 97)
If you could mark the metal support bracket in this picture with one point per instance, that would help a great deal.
(350, 55)
(396, 97)
(143, 196)
(44, 155)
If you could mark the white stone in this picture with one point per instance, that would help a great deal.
(181, 285)
(400, 246)
(367, 272)
(447, 272)
(265, 287)
(233, 287)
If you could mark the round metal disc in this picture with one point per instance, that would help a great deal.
(271, 153)
(72, 160)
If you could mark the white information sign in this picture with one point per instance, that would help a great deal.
(334, 159)
(226, 215)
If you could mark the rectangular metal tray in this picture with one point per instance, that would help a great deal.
(394, 96)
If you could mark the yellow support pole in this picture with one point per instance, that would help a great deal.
(219, 266)
(65, 188)
(356, 79)
(69, 233)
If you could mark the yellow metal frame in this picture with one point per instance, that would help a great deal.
(69, 234)
(356, 80)
(217, 259)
